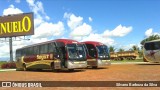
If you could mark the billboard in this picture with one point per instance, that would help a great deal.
(16, 25)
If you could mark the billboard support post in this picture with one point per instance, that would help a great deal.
(10, 48)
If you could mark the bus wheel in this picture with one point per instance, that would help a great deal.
(39, 69)
(144, 60)
(24, 67)
(94, 67)
(71, 70)
(52, 66)
(53, 69)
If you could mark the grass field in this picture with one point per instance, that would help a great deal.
(123, 61)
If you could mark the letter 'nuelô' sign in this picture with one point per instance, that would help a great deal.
(16, 25)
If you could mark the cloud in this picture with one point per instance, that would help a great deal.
(37, 8)
(12, 10)
(90, 19)
(49, 30)
(119, 31)
(129, 46)
(67, 15)
(82, 30)
(43, 28)
(149, 32)
(72, 20)
(38, 21)
(77, 26)
(78, 38)
(99, 38)
(4, 49)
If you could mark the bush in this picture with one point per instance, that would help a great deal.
(8, 65)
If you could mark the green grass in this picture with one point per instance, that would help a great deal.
(2, 62)
(124, 61)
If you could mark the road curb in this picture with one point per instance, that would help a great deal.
(131, 63)
(2, 70)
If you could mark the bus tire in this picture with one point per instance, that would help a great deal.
(52, 66)
(24, 67)
(38, 69)
(94, 67)
(71, 70)
(144, 60)
(53, 69)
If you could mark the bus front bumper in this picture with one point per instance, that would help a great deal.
(102, 63)
(76, 64)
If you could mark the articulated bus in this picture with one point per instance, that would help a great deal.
(97, 54)
(151, 51)
(56, 54)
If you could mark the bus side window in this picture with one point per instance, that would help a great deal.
(36, 50)
(30, 52)
(91, 50)
(18, 53)
(22, 52)
(60, 47)
(43, 48)
(51, 48)
(157, 45)
(26, 50)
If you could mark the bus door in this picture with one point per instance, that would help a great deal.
(91, 55)
(61, 52)
(91, 50)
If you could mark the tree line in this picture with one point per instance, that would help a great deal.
(135, 47)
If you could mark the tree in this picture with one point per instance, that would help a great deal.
(121, 50)
(150, 38)
(112, 49)
(134, 48)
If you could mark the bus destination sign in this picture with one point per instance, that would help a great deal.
(16, 25)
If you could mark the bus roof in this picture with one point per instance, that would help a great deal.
(93, 42)
(153, 41)
(65, 41)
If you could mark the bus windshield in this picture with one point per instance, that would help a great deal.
(152, 46)
(103, 52)
(76, 52)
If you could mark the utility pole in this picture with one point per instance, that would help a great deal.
(10, 48)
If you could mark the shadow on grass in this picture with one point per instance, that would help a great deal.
(149, 64)
(99, 68)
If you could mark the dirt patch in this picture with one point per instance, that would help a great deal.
(117, 72)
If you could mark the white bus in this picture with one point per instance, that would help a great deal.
(151, 51)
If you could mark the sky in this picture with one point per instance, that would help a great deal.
(118, 23)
